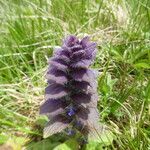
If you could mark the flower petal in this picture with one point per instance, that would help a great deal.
(58, 64)
(90, 50)
(76, 56)
(70, 41)
(55, 126)
(81, 98)
(78, 73)
(83, 86)
(57, 79)
(89, 116)
(55, 91)
(53, 105)
(85, 41)
(85, 63)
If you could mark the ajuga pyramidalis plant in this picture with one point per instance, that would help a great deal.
(71, 95)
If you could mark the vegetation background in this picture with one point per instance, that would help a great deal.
(29, 29)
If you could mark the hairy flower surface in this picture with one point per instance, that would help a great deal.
(71, 94)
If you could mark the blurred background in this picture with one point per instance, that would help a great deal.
(29, 29)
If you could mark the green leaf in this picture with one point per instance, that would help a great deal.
(68, 145)
(3, 139)
(142, 65)
(94, 146)
(45, 144)
(105, 138)
(121, 98)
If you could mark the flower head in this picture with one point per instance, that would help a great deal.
(71, 94)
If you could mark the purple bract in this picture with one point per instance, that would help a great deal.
(71, 94)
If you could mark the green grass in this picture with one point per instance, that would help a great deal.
(29, 31)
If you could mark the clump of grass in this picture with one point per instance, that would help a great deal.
(30, 30)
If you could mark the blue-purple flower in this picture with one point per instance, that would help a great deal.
(71, 94)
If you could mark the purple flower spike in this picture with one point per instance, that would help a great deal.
(71, 94)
